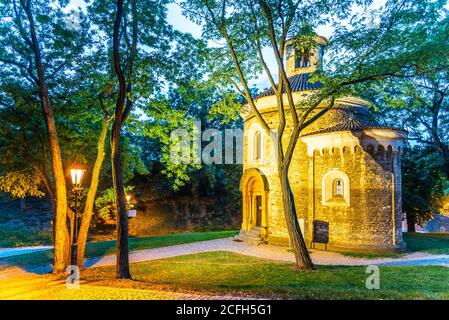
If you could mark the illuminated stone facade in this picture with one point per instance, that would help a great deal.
(345, 175)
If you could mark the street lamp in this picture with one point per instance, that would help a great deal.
(76, 173)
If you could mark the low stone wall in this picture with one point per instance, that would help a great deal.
(183, 214)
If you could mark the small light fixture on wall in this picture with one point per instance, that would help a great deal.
(76, 173)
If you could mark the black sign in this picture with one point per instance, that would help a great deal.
(320, 231)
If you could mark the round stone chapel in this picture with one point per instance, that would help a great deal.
(345, 173)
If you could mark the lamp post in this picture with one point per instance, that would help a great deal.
(76, 173)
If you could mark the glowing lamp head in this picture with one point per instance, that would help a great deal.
(77, 173)
(128, 197)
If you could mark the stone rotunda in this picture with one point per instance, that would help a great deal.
(345, 173)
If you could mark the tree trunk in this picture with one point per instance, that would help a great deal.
(410, 222)
(303, 261)
(302, 257)
(61, 245)
(122, 267)
(90, 200)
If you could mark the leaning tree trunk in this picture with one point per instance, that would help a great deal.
(61, 243)
(90, 200)
(303, 261)
(61, 233)
(122, 267)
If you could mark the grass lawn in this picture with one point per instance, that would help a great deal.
(95, 249)
(434, 243)
(373, 255)
(19, 237)
(229, 273)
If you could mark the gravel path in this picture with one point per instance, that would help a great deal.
(263, 251)
(272, 253)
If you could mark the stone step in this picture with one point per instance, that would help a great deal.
(247, 236)
(253, 232)
(251, 236)
(249, 240)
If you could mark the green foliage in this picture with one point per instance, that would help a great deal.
(305, 40)
(423, 184)
(21, 184)
(105, 205)
(228, 108)
(398, 58)
(378, 49)
(76, 47)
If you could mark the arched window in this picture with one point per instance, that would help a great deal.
(337, 189)
(257, 146)
(302, 61)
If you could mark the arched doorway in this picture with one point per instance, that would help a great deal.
(254, 187)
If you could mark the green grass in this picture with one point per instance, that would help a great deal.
(96, 249)
(15, 237)
(229, 273)
(436, 243)
(372, 255)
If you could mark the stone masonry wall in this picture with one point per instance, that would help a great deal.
(367, 223)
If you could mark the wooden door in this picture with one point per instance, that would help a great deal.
(258, 211)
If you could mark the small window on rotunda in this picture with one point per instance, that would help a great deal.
(338, 188)
(302, 61)
(257, 146)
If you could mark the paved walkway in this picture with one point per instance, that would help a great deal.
(9, 252)
(272, 253)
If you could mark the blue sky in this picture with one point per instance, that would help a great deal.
(181, 23)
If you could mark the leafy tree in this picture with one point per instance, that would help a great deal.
(21, 184)
(106, 204)
(37, 45)
(79, 90)
(148, 56)
(22, 141)
(412, 42)
(417, 98)
(423, 185)
(362, 52)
